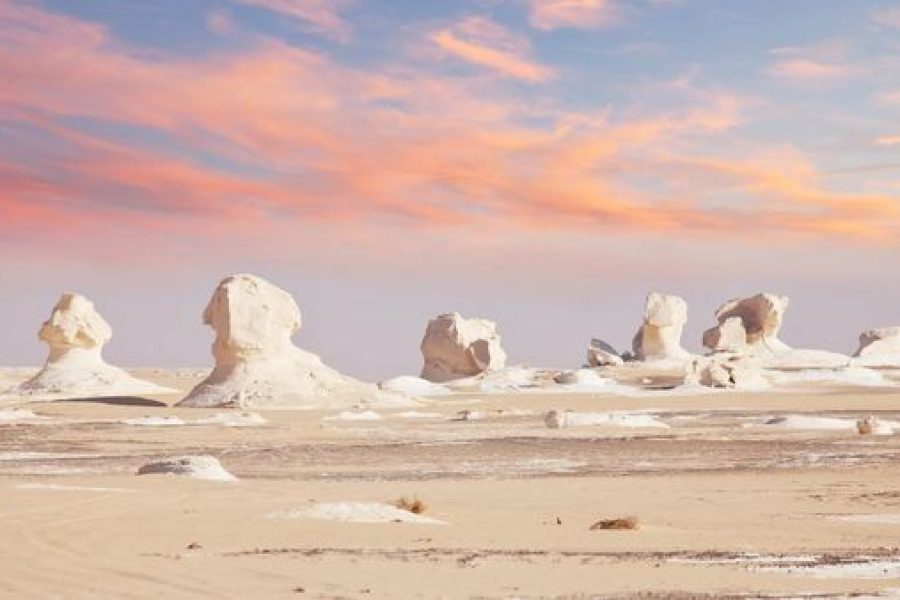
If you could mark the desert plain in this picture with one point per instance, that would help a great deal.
(736, 494)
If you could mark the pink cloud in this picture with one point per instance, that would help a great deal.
(586, 14)
(277, 135)
(482, 42)
(807, 70)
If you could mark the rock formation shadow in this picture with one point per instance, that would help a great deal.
(118, 401)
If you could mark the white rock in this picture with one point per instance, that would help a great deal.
(76, 334)
(197, 467)
(154, 421)
(601, 354)
(872, 426)
(558, 419)
(356, 512)
(233, 419)
(257, 365)
(659, 337)
(726, 371)
(455, 348)
(413, 386)
(583, 380)
(759, 317)
(879, 348)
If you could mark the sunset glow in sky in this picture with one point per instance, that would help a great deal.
(542, 163)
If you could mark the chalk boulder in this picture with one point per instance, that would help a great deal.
(879, 348)
(601, 354)
(659, 337)
(455, 348)
(257, 364)
(76, 334)
(750, 325)
(726, 372)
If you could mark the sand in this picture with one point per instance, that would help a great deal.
(726, 504)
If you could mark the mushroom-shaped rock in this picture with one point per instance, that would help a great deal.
(879, 347)
(257, 365)
(659, 337)
(199, 467)
(76, 334)
(454, 348)
(601, 354)
(756, 319)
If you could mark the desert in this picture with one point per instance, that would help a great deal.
(610, 481)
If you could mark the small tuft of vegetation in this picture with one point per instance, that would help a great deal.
(617, 523)
(413, 505)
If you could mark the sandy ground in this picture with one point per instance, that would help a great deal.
(727, 505)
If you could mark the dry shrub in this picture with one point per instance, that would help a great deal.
(617, 523)
(413, 505)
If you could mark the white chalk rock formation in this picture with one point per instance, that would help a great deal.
(728, 372)
(455, 348)
(659, 337)
(257, 365)
(749, 325)
(198, 467)
(879, 348)
(76, 334)
(601, 354)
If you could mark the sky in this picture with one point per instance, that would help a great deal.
(541, 163)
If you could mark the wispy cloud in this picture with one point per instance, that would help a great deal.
(268, 134)
(888, 140)
(585, 14)
(480, 41)
(887, 17)
(809, 70)
(317, 16)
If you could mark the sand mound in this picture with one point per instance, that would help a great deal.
(198, 467)
(154, 421)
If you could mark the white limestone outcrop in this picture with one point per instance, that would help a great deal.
(456, 348)
(257, 364)
(659, 337)
(749, 325)
(728, 372)
(76, 334)
(879, 348)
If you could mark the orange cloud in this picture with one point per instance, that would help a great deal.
(272, 135)
(888, 140)
(554, 14)
(482, 42)
(318, 16)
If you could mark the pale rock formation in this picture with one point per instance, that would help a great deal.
(455, 348)
(879, 348)
(560, 419)
(659, 337)
(757, 319)
(257, 365)
(601, 354)
(198, 467)
(584, 380)
(76, 334)
(731, 372)
(750, 326)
